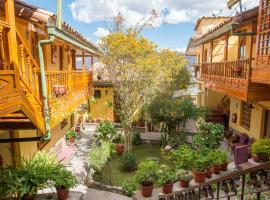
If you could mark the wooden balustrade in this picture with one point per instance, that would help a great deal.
(230, 69)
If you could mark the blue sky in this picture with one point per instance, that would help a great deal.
(91, 16)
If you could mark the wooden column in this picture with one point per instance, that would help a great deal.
(36, 82)
(2, 49)
(83, 62)
(30, 71)
(69, 69)
(226, 48)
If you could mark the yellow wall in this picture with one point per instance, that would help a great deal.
(5, 149)
(257, 120)
(233, 48)
(99, 109)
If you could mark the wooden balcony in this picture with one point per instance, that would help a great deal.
(66, 91)
(233, 78)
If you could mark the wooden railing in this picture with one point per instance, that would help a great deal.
(242, 184)
(231, 69)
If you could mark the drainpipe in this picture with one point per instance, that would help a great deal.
(59, 14)
(44, 87)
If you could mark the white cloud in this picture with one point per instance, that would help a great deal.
(176, 11)
(181, 49)
(101, 32)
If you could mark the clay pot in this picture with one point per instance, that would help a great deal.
(147, 190)
(184, 184)
(260, 158)
(78, 129)
(208, 172)
(62, 194)
(71, 139)
(224, 166)
(216, 169)
(199, 177)
(167, 188)
(120, 149)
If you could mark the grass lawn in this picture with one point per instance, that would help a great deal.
(115, 176)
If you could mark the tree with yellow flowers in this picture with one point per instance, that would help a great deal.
(139, 71)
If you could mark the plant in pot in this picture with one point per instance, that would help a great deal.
(146, 175)
(261, 150)
(63, 181)
(71, 136)
(208, 167)
(199, 166)
(118, 140)
(185, 177)
(238, 70)
(166, 178)
(217, 159)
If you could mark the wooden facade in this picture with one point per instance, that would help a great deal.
(68, 68)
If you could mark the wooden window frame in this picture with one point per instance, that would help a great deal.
(97, 94)
(245, 115)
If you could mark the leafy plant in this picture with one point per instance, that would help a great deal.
(185, 175)
(70, 134)
(177, 139)
(30, 175)
(136, 139)
(128, 161)
(147, 172)
(217, 157)
(209, 136)
(166, 175)
(64, 179)
(261, 147)
(129, 186)
(99, 155)
(105, 132)
(200, 162)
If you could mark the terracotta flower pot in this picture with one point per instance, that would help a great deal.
(147, 190)
(167, 188)
(208, 172)
(120, 149)
(184, 184)
(78, 129)
(224, 166)
(62, 194)
(199, 177)
(216, 169)
(71, 139)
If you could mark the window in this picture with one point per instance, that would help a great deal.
(242, 48)
(245, 115)
(97, 94)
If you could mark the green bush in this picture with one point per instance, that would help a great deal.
(128, 162)
(70, 134)
(261, 147)
(200, 162)
(136, 139)
(105, 132)
(185, 175)
(209, 136)
(99, 155)
(166, 175)
(217, 157)
(129, 186)
(147, 172)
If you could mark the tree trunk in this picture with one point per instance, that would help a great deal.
(127, 140)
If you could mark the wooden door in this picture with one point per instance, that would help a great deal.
(267, 124)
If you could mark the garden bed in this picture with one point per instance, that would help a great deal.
(113, 173)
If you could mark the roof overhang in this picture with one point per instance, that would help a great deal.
(52, 30)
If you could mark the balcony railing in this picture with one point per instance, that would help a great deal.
(232, 69)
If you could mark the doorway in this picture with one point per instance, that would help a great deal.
(267, 124)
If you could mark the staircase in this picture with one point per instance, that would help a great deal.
(252, 179)
(215, 116)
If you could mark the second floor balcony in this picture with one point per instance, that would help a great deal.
(232, 78)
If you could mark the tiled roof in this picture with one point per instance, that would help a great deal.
(204, 17)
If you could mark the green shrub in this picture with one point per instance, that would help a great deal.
(70, 134)
(99, 155)
(105, 132)
(129, 186)
(177, 139)
(166, 175)
(128, 162)
(217, 157)
(185, 175)
(147, 172)
(209, 136)
(136, 139)
(200, 162)
(261, 147)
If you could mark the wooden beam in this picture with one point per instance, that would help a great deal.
(12, 140)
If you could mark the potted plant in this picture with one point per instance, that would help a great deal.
(118, 140)
(237, 70)
(146, 175)
(199, 166)
(166, 178)
(128, 162)
(261, 150)
(63, 181)
(217, 159)
(224, 159)
(208, 167)
(71, 136)
(185, 177)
